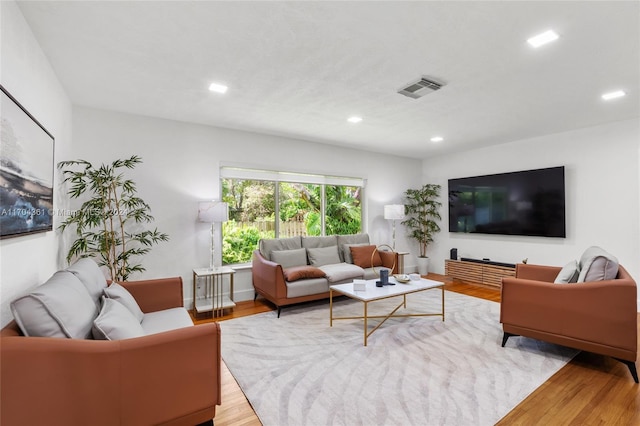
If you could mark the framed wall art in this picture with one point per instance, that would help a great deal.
(26, 171)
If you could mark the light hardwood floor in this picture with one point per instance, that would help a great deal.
(590, 390)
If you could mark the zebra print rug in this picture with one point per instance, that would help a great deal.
(296, 370)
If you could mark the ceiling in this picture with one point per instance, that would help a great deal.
(300, 69)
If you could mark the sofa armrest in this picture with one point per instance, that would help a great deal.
(157, 294)
(170, 373)
(537, 272)
(602, 311)
(268, 276)
(146, 380)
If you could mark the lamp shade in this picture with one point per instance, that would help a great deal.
(394, 211)
(213, 211)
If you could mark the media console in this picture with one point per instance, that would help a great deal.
(479, 271)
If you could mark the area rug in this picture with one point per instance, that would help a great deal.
(296, 370)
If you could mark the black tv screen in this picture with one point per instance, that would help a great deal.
(529, 202)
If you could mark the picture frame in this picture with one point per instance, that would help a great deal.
(26, 171)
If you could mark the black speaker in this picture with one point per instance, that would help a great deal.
(454, 254)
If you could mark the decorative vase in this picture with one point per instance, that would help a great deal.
(423, 265)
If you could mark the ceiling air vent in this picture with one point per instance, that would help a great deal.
(418, 89)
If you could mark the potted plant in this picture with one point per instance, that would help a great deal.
(108, 224)
(422, 208)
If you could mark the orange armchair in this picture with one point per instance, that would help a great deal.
(599, 316)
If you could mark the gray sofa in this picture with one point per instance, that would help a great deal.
(300, 269)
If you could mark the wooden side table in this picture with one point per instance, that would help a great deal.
(214, 299)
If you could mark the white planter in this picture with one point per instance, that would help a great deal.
(423, 265)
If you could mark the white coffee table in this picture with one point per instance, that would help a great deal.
(373, 293)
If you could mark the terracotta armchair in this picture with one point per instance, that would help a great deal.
(599, 316)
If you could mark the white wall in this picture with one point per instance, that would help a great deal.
(602, 195)
(26, 73)
(181, 167)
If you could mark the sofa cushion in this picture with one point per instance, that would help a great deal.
(89, 273)
(342, 271)
(115, 322)
(302, 272)
(168, 319)
(365, 256)
(307, 287)
(61, 307)
(318, 242)
(353, 239)
(568, 274)
(323, 255)
(122, 295)
(597, 265)
(289, 258)
(274, 244)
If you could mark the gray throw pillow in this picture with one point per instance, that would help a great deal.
(61, 307)
(597, 265)
(568, 274)
(117, 292)
(115, 322)
(89, 273)
(289, 258)
(323, 256)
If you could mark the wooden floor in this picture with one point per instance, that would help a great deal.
(589, 390)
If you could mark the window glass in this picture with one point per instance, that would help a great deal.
(305, 209)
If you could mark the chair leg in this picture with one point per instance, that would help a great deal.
(279, 309)
(255, 295)
(505, 336)
(632, 368)
(207, 423)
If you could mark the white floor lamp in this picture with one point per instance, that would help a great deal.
(213, 212)
(394, 212)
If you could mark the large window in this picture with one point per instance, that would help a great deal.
(303, 205)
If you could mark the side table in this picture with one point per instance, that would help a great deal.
(214, 299)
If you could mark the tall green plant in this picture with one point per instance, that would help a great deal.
(107, 225)
(422, 208)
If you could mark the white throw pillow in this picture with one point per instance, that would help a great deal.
(115, 322)
(568, 274)
(117, 292)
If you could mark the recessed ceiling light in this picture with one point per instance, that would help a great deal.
(543, 38)
(218, 88)
(354, 119)
(437, 139)
(613, 95)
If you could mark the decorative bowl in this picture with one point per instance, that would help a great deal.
(402, 278)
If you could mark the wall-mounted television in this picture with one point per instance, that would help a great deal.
(529, 202)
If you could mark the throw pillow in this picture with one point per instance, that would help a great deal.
(323, 256)
(346, 250)
(61, 307)
(568, 274)
(597, 265)
(115, 322)
(117, 292)
(362, 256)
(301, 272)
(89, 273)
(289, 258)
